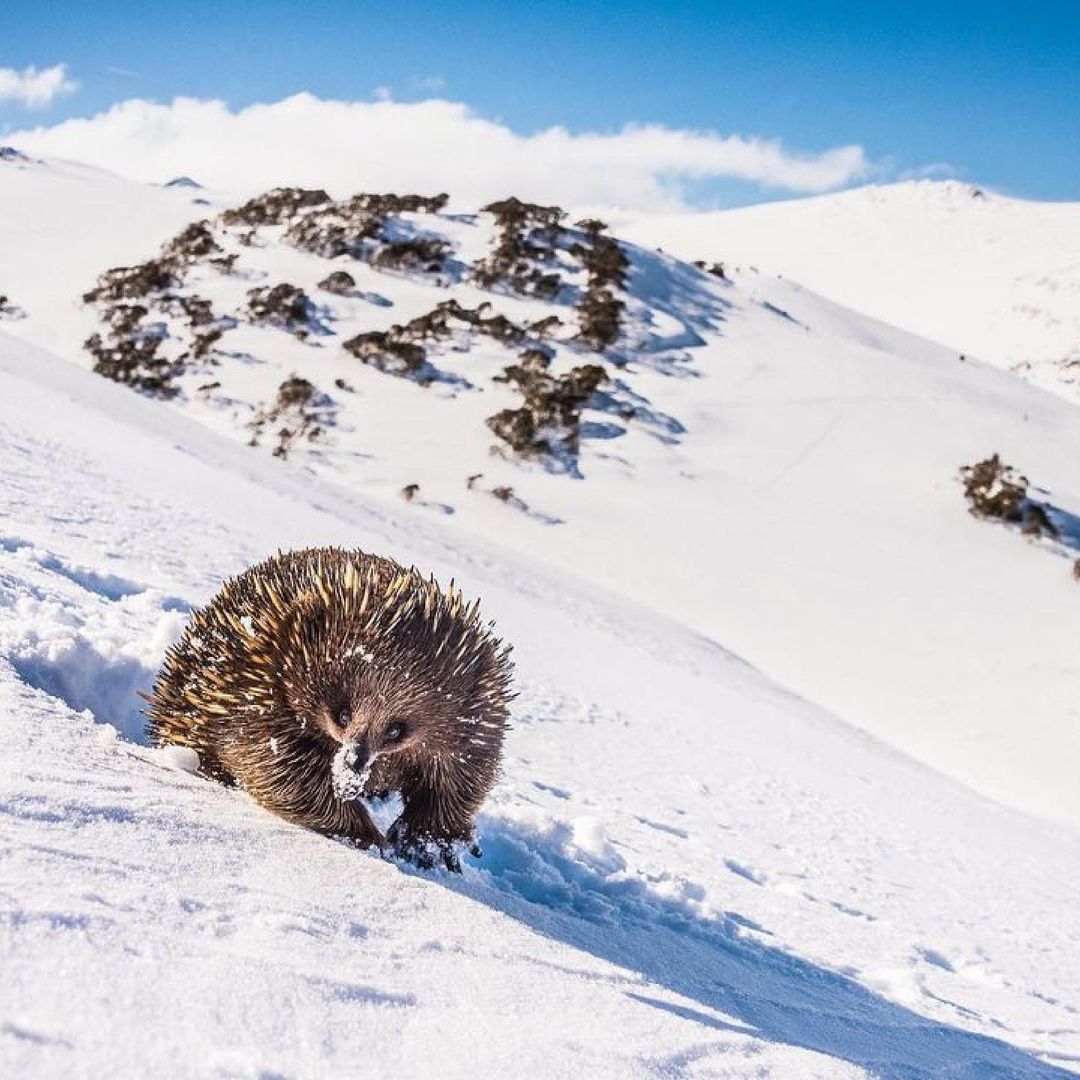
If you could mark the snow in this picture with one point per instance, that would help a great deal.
(789, 789)
(349, 782)
(990, 276)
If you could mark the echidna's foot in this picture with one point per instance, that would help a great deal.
(363, 842)
(424, 850)
(364, 838)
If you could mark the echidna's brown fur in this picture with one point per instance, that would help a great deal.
(261, 675)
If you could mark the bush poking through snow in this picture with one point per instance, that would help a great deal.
(391, 205)
(387, 350)
(8, 310)
(549, 420)
(366, 227)
(340, 282)
(192, 244)
(528, 238)
(330, 233)
(715, 269)
(130, 356)
(996, 491)
(284, 305)
(422, 254)
(599, 310)
(600, 318)
(275, 207)
(298, 408)
(398, 350)
(134, 282)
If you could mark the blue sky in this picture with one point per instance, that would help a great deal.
(990, 90)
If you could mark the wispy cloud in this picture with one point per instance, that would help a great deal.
(429, 84)
(35, 88)
(937, 170)
(387, 144)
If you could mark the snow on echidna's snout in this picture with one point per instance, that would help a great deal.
(350, 770)
(322, 676)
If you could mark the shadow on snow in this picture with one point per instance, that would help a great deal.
(541, 880)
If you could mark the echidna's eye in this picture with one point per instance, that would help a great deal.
(343, 718)
(395, 732)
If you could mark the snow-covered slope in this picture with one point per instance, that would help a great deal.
(61, 223)
(759, 642)
(993, 277)
(786, 483)
(687, 870)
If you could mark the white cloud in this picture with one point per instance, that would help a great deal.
(35, 88)
(425, 146)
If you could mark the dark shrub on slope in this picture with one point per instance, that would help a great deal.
(998, 492)
(275, 207)
(549, 419)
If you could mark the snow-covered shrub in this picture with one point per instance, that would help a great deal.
(421, 253)
(283, 305)
(389, 205)
(300, 410)
(366, 227)
(387, 351)
(134, 282)
(996, 491)
(528, 237)
(330, 233)
(8, 310)
(399, 349)
(549, 419)
(599, 318)
(275, 207)
(599, 310)
(128, 353)
(191, 244)
(716, 269)
(340, 282)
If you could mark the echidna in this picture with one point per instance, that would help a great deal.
(322, 676)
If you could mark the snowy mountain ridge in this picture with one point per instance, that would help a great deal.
(992, 277)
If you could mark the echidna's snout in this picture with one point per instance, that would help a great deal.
(350, 769)
(355, 755)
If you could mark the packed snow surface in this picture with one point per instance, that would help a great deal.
(790, 786)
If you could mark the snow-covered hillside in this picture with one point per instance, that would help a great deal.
(687, 870)
(791, 786)
(992, 277)
(770, 469)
